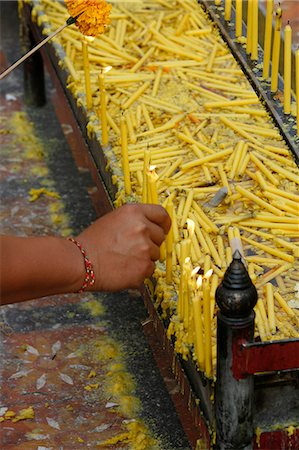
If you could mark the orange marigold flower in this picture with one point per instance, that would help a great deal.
(92, 16)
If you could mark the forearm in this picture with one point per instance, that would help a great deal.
(38, 266)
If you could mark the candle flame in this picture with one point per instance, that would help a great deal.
(208, 274)
(106, 69)
(199, 282)
(195, 270)
(190, 227)
(88, 39)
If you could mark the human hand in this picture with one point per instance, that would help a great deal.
(124, 244)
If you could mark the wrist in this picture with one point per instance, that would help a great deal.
(89, 277)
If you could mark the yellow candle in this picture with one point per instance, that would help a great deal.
(207, 328)
(297, 87)
(103, 112)
(249, 28)
(273, 275)
(227, 9)
(276, 50)
(287, 69)
(238, 18)
(212, 58)
(199, 342)
(260, 325)
(273, 251)
(268, 38)
(283, 304)
(258, 201)
(157, 81)
(254, 30)
(124, 153)
(187, 207)
(214, 284)
(270, 307)
(86, 75)
(169, 243)
(251, 272)
(146, 163)
(152, 186)
(261, 307)
(136, 95)
(186, 274)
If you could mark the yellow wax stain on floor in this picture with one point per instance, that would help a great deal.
(136, 435)
(24, 131)
(25, 413)
(119, 387)
(35, 194)
(94, 307)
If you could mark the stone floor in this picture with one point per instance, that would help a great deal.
(76, 370)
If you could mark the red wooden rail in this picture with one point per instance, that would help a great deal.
(250, 358)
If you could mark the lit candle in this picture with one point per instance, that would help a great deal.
(287, 68)
(207, 328)
(276, 50)
(152, 185)
(238, 18)
(254, 29)
(185, 250)
(86, 75)
(124, 153)
(249, 28)
(227, 9)
(268, 38)
(169, 243)
(297, 87)
(103, 112)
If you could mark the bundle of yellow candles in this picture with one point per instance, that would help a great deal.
(183, 123)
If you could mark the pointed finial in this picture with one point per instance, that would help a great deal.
(236, 295)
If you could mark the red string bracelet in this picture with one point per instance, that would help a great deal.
(89, 279)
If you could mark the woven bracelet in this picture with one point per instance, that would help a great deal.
(89, 279)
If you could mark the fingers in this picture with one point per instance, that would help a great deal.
(156, 233)
(158, 215)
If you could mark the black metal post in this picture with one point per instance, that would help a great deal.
(33, 68)
(236, 297)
